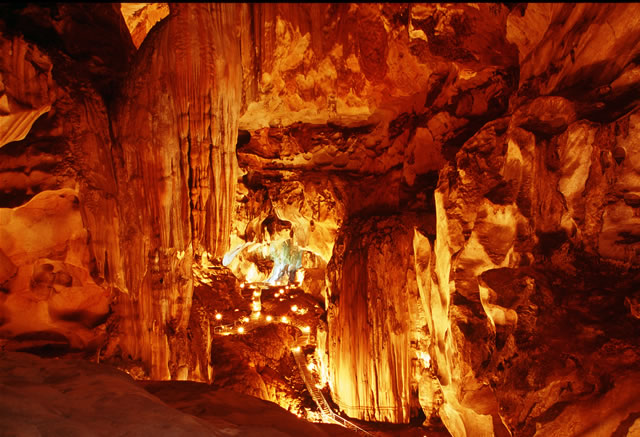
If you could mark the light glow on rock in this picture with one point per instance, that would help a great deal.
(253, 275)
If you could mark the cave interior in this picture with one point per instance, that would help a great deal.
(386, 219)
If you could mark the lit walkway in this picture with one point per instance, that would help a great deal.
(327, 414)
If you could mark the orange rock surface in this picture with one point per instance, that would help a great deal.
(454, 185)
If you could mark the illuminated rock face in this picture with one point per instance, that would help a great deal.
(374, 320)
(318, 65)
(517, 228)
(60, 253)
(26, 75)
(521, 269)
(329, 106)
(175, 136)
(282, 225)
(522, 120)
(141, 17)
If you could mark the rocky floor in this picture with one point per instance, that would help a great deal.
(55, 397)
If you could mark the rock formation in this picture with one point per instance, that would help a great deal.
(455, 185)
(60, 254)
(177, 174)
(73, 397)
(141, 17)
(373, 319)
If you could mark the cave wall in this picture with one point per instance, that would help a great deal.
(523, 253)
(139, 195)
(59, 226)
(521, 270)
(118, 170)
(525, 212)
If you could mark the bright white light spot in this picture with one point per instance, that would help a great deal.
(311, 366)
(218, 316)
(426, 358)
(294, 308)
(284, 319)
(306, 329)
(245, 319)
(269, 318)
(281, 290)
(240, 330)
(253, 275)
(256, 293)
(242, 285)
(296, 349)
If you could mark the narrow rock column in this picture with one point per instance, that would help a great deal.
(370, 320)
(176, 128)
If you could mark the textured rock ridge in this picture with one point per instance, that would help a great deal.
(26, 86)
(524, 218)
(175, 132)
(141, 17)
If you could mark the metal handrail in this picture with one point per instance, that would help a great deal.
(342, 404)
(317, 395)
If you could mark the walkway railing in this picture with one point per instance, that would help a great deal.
(316, 395)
